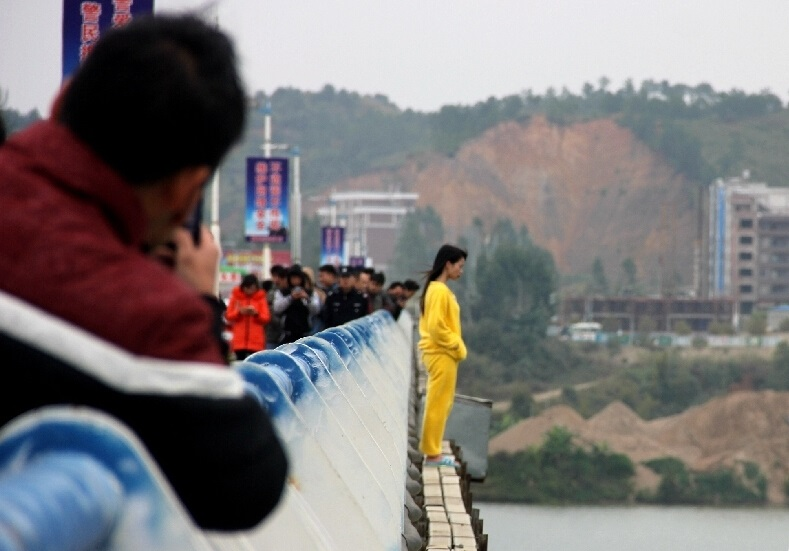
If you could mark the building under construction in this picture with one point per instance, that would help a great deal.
(742, 265)
(648, 313)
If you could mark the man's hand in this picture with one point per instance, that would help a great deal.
(197, 265)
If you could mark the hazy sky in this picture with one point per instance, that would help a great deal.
(424, 54)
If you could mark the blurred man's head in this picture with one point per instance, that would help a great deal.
(279, 275)
(410, 287)
(347, 280)
(156, 96)
(159, 101)
(376, 284)
(327, 276)
(395, 288)
(363, 279)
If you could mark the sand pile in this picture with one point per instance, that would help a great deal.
(725, 432)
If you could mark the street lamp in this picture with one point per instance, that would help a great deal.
(295, 200)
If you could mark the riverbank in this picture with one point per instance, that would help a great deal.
(730, 432)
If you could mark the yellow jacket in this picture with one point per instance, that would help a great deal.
(439, 325)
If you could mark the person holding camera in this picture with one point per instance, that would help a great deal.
(88, 195)
(295, 305)
(248, 313)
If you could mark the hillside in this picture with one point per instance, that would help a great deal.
(610, 173)
(584, 190)
(724, 432)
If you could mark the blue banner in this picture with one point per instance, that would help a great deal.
(357, 261)
(84, 21)
(332, 245)
(266, 219)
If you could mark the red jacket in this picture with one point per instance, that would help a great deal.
(249, 331)
(71, 236)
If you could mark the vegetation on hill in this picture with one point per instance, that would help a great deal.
(681, 486)
(701, 132)
(561, 471)
(558, 472)
(657, 384)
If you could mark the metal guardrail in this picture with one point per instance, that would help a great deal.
(343, 401)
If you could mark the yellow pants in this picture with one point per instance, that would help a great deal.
(442, 371)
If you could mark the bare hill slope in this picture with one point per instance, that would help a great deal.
(586, 190)
(724, 432)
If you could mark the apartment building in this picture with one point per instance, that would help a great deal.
(747, 244)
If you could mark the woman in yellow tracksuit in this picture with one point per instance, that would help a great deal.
(442, 349)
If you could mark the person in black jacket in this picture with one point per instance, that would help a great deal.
(295, 304)
(345, 303)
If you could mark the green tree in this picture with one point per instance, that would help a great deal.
(757, 324)
(675, 479)
(522, 404)
(779, 378)
(421, 234)
(518, 283)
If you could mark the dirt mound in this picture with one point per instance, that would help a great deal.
(530, 432)
(725, 432)
(616, 416)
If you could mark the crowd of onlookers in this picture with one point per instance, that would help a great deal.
(293, 303)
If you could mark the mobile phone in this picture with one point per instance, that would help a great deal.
(195, 221)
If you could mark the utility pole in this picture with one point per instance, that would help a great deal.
(295, 199)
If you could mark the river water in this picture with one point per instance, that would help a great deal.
(535, 528)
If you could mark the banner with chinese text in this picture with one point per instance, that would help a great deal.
(85, 20)
(266, 219)
(332, 245)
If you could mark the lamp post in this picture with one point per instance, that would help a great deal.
(295, 241)
(295, 206)
(215, 230)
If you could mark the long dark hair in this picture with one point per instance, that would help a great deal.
(447, 253)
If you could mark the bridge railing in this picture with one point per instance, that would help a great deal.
(74, 479)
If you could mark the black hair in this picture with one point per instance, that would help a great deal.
(394, 285)
(158, 95)
(411, 285)
(329, 268)
(249, 280)
(368, 270)
(2, 130)
(379, 278)
(278, 270)
(296, 271)
(447, 253)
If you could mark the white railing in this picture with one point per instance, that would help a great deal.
(77, 479)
